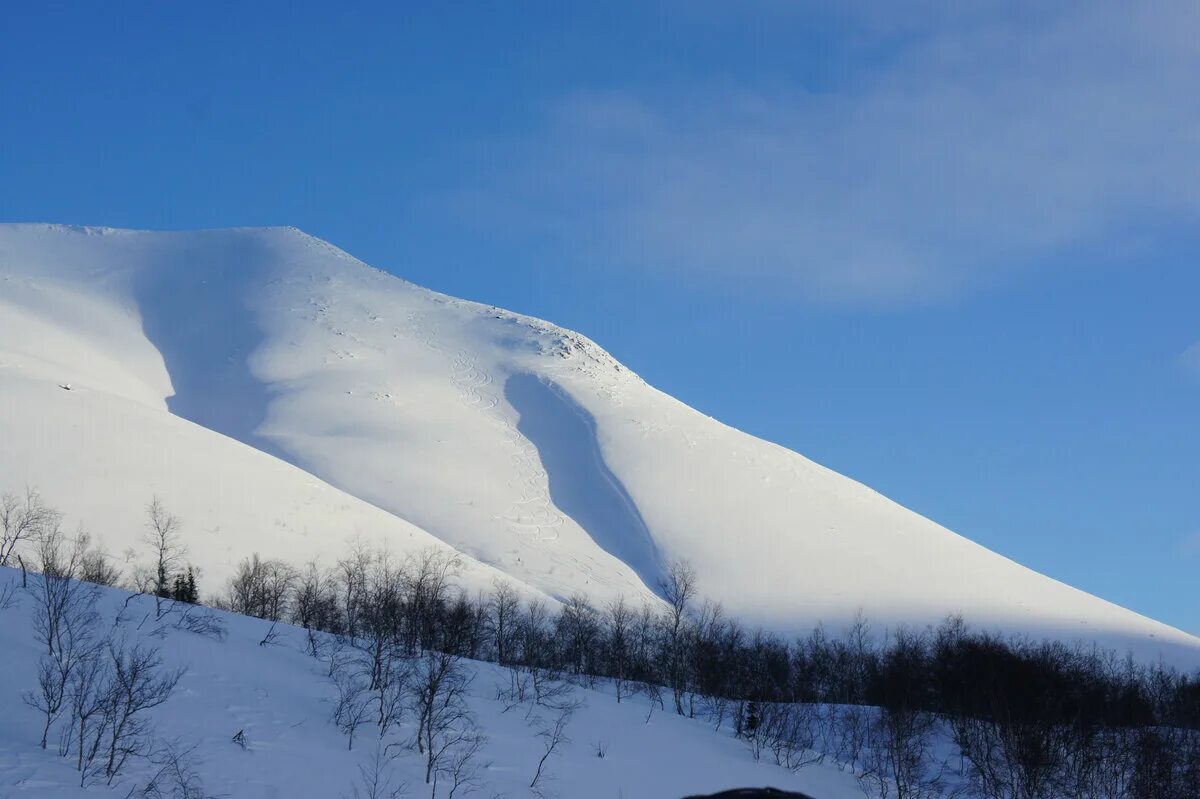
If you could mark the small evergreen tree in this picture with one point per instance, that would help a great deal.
(184, 588)
(751, 718)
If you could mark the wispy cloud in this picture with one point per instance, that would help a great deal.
(983, 144)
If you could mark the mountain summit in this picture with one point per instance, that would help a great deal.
(284, 398)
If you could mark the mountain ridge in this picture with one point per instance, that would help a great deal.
(428, 408)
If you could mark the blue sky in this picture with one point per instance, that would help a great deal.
(947, 249)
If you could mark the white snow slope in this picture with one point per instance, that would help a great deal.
(283, 397)
(281, 699)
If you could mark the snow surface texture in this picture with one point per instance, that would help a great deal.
(281, 699)
(282, 397)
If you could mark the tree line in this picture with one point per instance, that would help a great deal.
(1025, 718)
(1028, 718)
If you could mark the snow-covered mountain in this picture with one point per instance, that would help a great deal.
(282, 397)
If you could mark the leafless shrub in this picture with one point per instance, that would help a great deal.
(392, 692)
(175, 776)
(654, 692)
(8, 596)
(351, 705)
(64, 621)
(789, 732)
(540, 688)
(375, 779)
(95, 565)
(23, 519)
(846, 729)
(551, 692)
(519, 689)
(899, 762)
(554, 736)
(91, 694)
(201, 621)
(139, 683)
(271, 636)
(51, 693)
(461, 767)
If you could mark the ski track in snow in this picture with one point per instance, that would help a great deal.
(532, 517)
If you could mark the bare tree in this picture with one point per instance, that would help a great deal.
(429, 574)
(714, 644)
(315, 605)
(23, 519)
(577, 630)
(91, 694)
(201, 621)
(618, 628)
(64, 616)
(504, 606)
(643, 651)
(380, 633)
(679, 589)
(271, 636)
(461, 767)
(551, 692)
(51, 693)
(166, 552)
(519, 689)
(392, 691)
(789, 732)
(95, 565)
(375, 778)
(899, 761)
(8, 595)
(175, 776)
(554, 736)
(139, 683)
(444, 722)
(351, 578)
(262, 588)
(352, 704)
(278, 586)
(846, 731)
(533, 633)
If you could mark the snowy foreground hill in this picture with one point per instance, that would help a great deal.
(282, 397)
(281, 700)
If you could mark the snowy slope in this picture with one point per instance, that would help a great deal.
(280, 698)
(524, 445)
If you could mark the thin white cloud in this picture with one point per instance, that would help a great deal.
(986, 143)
